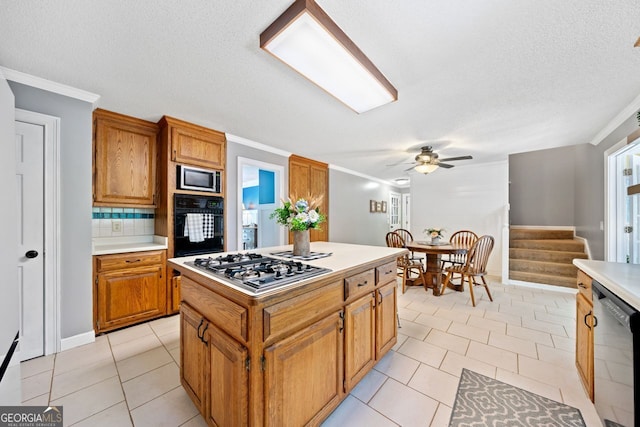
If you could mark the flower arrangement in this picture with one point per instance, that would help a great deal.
(300, 215)
(434, 232)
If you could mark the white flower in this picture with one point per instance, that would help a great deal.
(313, 216)
(302, 217)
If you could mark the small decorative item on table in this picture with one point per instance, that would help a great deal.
(300, 215)
(436, 234)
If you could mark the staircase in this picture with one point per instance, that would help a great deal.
(544, 256)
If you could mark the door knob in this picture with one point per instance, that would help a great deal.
(31, 254)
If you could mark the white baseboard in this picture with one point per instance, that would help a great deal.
(542, 286)
(77, 340)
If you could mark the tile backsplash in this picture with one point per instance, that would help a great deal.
(115, 222)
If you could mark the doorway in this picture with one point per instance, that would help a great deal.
(260, 189)
(37, 181)
(394, 211)
(405, 211)
(623, 210)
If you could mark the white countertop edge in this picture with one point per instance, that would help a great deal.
(116, 245)
(336, 262)
(620, 278)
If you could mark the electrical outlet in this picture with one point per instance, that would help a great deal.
(116, 226)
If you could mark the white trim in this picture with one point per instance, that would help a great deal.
(257, 145)
(244, 161)
(51, 213)
(369, 177)
(610, 205)
(78, 340)
(48, 85)
(585, 242)
(542, 286)
(618, 120)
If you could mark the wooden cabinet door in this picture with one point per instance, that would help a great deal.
(584, 342)
(386, 320)
(205, 149)
(359, 339)
(175, 295)
(193, 375)
(304, 374)
(310, 177)
(124, 160)
(130, 296)
(228, 403)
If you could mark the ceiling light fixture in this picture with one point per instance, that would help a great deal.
(637, 43)
(425, 168)
(305, 38)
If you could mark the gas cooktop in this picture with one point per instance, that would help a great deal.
(256, 272)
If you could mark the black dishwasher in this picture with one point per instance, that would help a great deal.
(616, 337)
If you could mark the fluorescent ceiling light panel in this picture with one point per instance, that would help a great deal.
(306, 39)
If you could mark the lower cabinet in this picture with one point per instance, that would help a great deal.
(129, 288)
(359, 339)
(386, 315)
(303, 374)
(584, 342)
(216, 377)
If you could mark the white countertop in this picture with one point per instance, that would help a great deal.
(116, 245)
(343, 256)
(620, 278)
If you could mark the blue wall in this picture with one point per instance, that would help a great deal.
(263, 193)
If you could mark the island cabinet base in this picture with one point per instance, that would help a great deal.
(284, 358)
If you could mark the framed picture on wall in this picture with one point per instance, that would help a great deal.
(384, 207)
(378, 206)
(372, 206)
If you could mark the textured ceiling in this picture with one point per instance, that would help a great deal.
(486, 78)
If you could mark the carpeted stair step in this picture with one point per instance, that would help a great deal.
(543, 267)
(539, 234)
(545, 255)
(568, 245)
(547, 279)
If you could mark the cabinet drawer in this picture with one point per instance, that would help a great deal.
(386, 273)
(293, 314)
(584, 285)
(225, 314)
(359, 284)
(129, 260)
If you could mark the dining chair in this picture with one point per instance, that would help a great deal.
(474, 266)
(465, 238)
(405, 264)
(408, 237)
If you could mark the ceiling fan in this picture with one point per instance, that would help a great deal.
(427, 161)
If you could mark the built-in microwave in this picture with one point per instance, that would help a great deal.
(197, 179)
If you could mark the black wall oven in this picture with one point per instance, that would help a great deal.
(617, 359)
(198, 224)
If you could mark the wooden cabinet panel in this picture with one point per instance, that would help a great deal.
(386, 273)
(310, 177)
(359, 284)
(129, 288)
(584, 286)
(195, 145)
(193, 375)
(228, 403)
(584, 343)
(359, 339)
(386, 325)
(175, 293)
(303, 376)
(124, 163)
(231, 317)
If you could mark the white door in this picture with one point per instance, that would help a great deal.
(626, 230)
(394, 211)
(30, 231)
(404, 212)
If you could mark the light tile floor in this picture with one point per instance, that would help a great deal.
(526, 337)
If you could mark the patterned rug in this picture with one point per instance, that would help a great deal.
(482, 401)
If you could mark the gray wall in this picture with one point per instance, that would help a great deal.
(76, 303)
(235, 150)
(581, 203)
(349, 217)
(542, 187)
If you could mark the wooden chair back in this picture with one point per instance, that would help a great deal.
(478, 256)
(464, 238)
(394, 240)
(405, 234)
(404, 263)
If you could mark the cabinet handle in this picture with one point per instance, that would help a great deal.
(131, 261)
(203, 331)
(175, 153)
(389, 272)
(200, 326)
(363, 284)
(595, 321)
(581, 285)
(341, 321)
(585, 319)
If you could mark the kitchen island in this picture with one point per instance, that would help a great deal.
(288, 355)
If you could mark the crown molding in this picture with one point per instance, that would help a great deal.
(369, 177)
(48, 85)
(257, 145)
(617, 121)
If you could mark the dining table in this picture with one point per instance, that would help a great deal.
(434, 251)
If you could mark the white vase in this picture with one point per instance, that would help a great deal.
(301, 245)
(436, 240)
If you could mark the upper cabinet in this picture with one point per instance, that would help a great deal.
(124, 160)
(310, 177)
(194, 145)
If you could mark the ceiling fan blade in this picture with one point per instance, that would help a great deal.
(411, 168)
(445, 165)
(449, 159)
